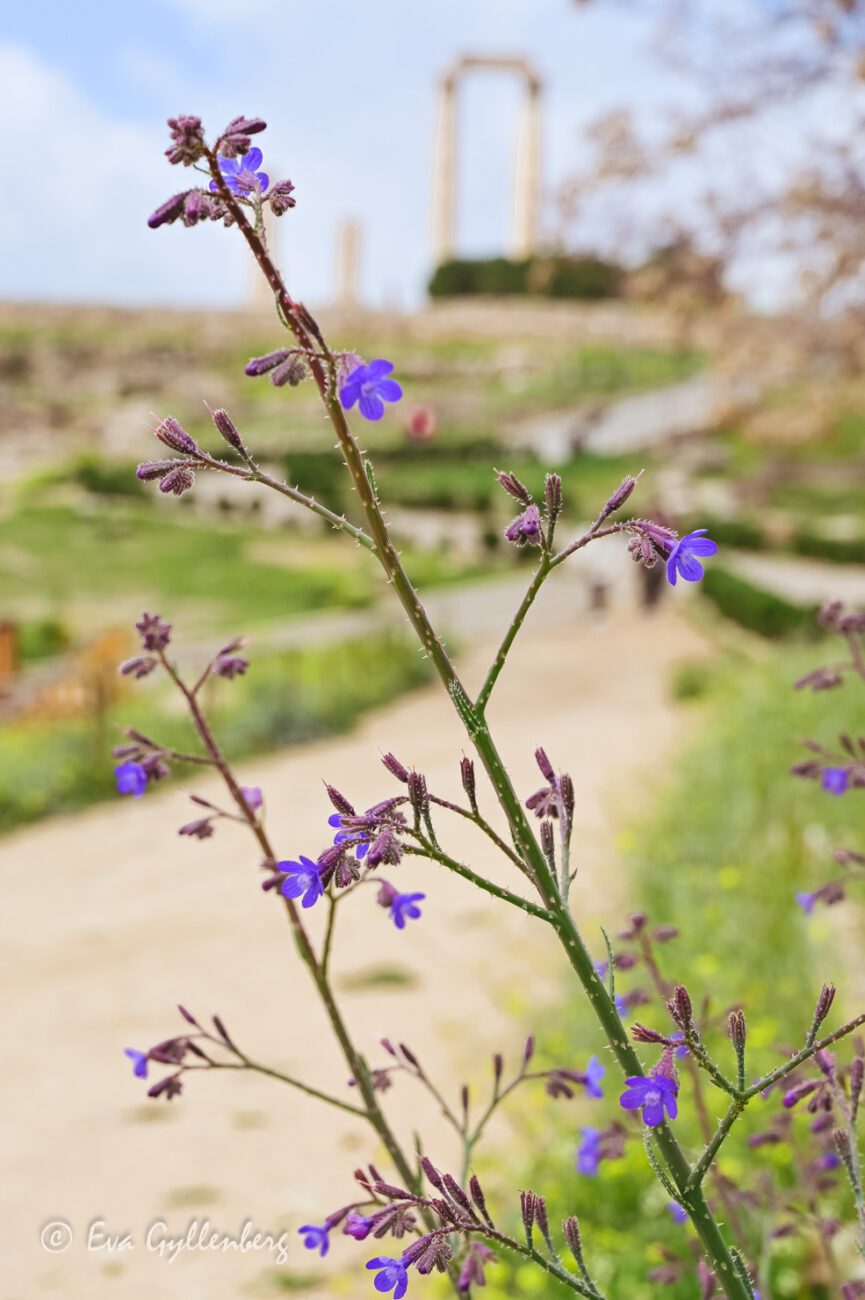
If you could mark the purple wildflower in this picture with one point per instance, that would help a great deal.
(652, 1095)
(315, 1237)
(139, 1062)
(301, 878)
(594, 1073)
(131, 779)
(835, 779)
(392, 1276)
(241, 175)
(589, 1152)
(526, 528)
(404, 907)
(351, 836)
(682, 1050)
(358, 1226)
(370, 388)
(806, 901)
(679, 1213)
(682, 559)
(252, 796)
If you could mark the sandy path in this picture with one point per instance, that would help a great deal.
(113, 920)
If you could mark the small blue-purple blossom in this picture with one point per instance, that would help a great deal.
(315, 1237)
(370, 387)
(682, 1050)
(679, 1213)
(392, 1275)
(682, 560)
(352, 836)
(139, 1061)
(358, 1226)
(131, 779)
(589, 1151)
(594, 1073)
(301, 878)
(252, 796)
(835, 779)
(653, 1096)
(241, 175)
(404, 907)
(806, 900)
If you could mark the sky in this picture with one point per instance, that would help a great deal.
(349, 93)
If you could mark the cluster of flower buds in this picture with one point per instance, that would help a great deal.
(285, 366)
(528, 527)
(650, 542)
(183, 1052)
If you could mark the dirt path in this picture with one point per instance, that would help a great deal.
(110, 919)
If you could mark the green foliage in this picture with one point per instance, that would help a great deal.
(106, 477)
(838, 550)
(285, 698)
(41, 638)
(755, 609)
(551, 277)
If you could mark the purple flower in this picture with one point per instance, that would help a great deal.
(301, 878)
(682, 1049)
(806, 901)
(594, 1073)
(370, 388)
(679, 1213)
(652, 1095)
(131, 779)
(139, 1062)
(526, 528)
(682, 559)
(358, 1226)
(315, 1237)
(589, 1152)
(352, 836)
(252, 796)
(392, 1276)
(835, 779)
(404, 907)
(241, 175)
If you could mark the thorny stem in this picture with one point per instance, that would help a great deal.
(301, 324)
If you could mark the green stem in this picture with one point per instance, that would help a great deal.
(714, 1245)
(247, 1064)
(701, 1168)
(498, 663)
(459, 869)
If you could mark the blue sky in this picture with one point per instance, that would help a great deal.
(349, 92)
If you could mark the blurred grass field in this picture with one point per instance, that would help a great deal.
(735, 836)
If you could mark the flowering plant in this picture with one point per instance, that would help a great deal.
(440, 1220)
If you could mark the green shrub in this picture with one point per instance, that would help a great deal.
(42, 638)
(756, 609)
(555, 277)
(111, 478)
(838, 550)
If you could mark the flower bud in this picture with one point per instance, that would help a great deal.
(225, 425)
(281, 197)
(169, 211)
(737, 1030)
(467, 775)
(339, 801)
(824, 1004)
(234, 140)
(679, 1007)
(514, 487)
(395, 767)
(571, 1233)
(620, 496)
(188, 140)
(553, 496)
(177, 481)
(176, 437)
(261, 365)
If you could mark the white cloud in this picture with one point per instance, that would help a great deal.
(76, 216)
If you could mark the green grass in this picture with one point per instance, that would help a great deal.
(732, 841)
(284, 699)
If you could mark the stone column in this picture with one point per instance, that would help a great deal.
(444, 174)
(527, 175)
(347, 264)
